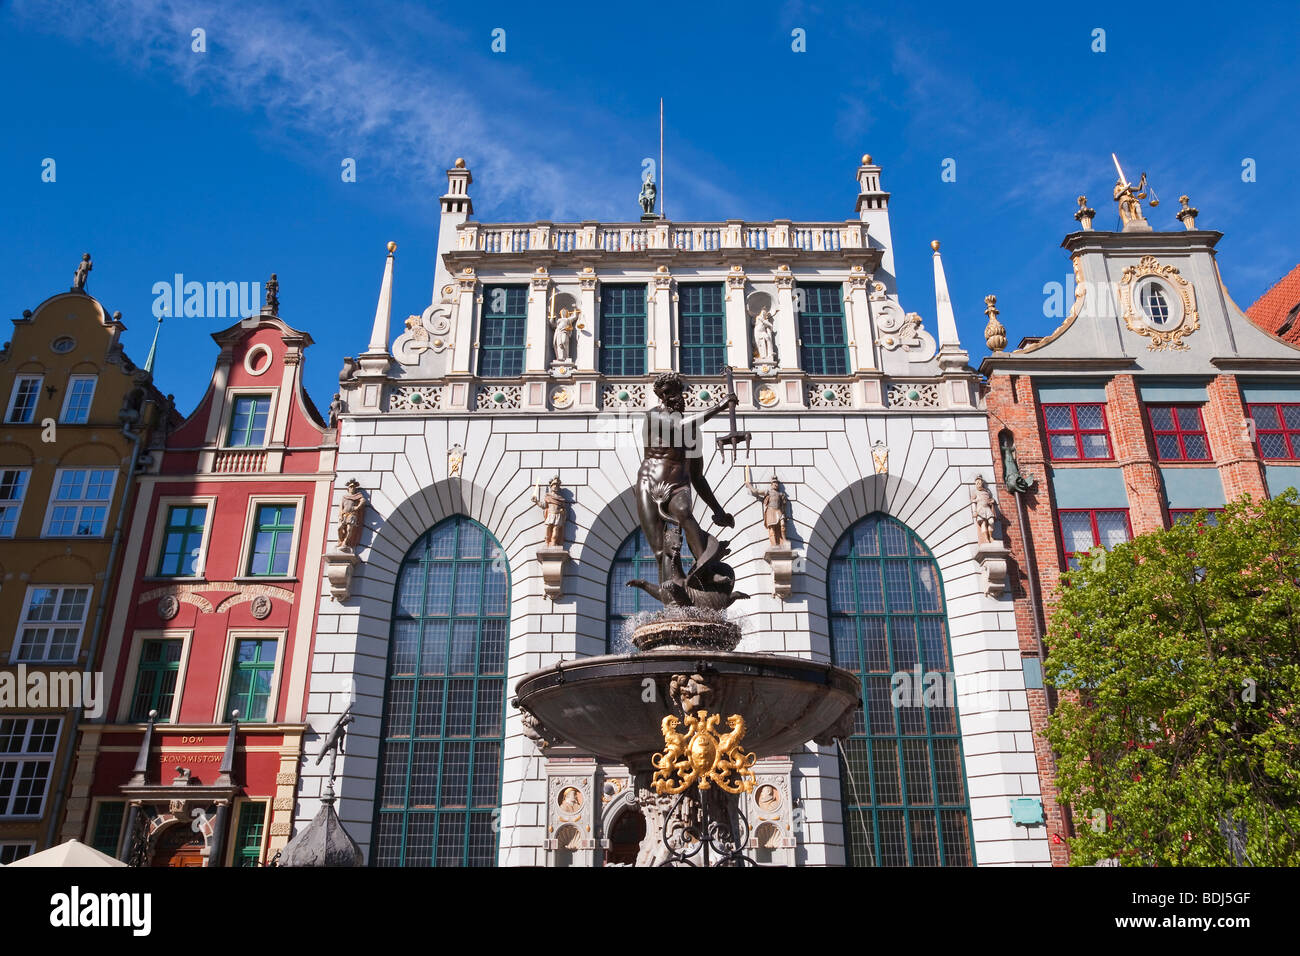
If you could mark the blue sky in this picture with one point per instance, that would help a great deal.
(225, 165)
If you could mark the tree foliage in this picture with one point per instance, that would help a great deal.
(1177, 656)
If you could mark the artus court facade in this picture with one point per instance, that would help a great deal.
(533, 361)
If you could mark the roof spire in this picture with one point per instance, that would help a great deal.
(153, 349)
(950, 350)
(384, 310)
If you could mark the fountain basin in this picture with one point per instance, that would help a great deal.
(604, 706)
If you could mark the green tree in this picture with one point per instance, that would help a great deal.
(1177, 656)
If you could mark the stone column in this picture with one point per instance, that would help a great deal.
(590, 321)
(738, 347)
(859, 320)
(661, 324)
(466, 331)
(537, 333)
(787, 329)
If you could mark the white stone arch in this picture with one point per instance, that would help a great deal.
(940, 516)
(600, 543)
(401, 510)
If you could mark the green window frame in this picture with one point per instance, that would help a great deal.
(622, 329)
(502, 337)
(248, 420)
(182, 541)
(272, 554)
(438, 792)
(702, 324)
(155, 680)
(251, 670)
(823, 342)
(106, 834)
(633, 560)
(249, 832)
(905, 800)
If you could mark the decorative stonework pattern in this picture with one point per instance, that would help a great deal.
(1187, 322)
(830, 395)
(917, 395)
(499, 397)
(704, 394)
(625, 396)
(415, 398)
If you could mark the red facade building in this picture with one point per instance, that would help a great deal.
(1153, 398)
(195, 760)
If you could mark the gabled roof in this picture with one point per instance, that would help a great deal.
(1277, 311)
(234, 333)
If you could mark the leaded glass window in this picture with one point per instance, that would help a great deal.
(622, 329)
(903, 785)
(502, 331)
(702, 328)
(439, 788)
(823, 344)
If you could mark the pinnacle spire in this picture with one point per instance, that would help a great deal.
(153, 348)
(384, 309)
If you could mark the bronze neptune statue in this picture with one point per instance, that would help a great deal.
(672, 466)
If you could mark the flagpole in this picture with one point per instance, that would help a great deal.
(661, 158)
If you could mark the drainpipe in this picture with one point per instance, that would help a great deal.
(1035, 597)
(96, 632)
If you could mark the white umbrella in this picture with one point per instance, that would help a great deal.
(72, 853)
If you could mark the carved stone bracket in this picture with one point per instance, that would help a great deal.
(782, 561)
(553, 561)
(339, 566)
(992, 557)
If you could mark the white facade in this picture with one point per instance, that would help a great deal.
(902, 433)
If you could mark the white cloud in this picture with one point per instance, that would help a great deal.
(408, 114)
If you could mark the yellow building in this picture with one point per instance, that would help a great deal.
(76, 416)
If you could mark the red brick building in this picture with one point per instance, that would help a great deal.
(1155, 397)
(195, 761)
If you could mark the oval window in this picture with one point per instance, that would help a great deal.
(1155, 303)
(63, 344)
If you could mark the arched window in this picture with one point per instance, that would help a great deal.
(439, 784)
(904, 787)
(633, 560)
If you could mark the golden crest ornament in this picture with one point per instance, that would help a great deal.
(702, 757)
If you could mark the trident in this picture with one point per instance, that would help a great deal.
(733, 437)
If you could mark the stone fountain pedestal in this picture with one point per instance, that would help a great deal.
(630, 707)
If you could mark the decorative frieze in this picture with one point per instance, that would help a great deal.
(415, 398)
(914, 395)
(496, 398)
(632, 395)
(830, 395)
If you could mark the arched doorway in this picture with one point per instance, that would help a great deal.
(438, 791)
(903, 788)
(178, 845)
(624, 838)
